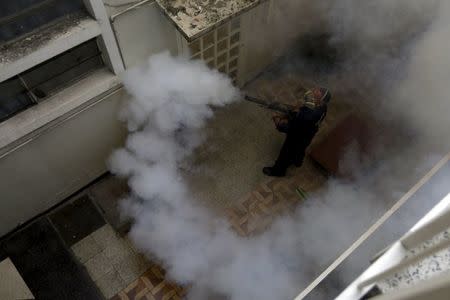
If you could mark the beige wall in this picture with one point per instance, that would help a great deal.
(58, 162)
(144, 31)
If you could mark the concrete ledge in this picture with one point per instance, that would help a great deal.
(56, 106)
(45, 44)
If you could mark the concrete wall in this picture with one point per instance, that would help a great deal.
(70, 154)
(58, 161)
(143, 31)
(258, 50)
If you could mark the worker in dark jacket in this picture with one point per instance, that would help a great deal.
(300, 128)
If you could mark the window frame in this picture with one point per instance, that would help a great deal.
(95, 26)
(53, 109)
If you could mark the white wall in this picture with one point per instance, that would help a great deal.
(58, 162)
(257, 48)
(143, 31)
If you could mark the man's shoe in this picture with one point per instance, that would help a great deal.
(270, 171)
(298, 164)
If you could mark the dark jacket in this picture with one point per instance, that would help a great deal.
(305, 122)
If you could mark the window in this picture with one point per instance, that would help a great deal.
(13, 98)
(19, 17)
(45, 79)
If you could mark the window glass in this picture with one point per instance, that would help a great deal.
(50, 76)
(19, 17)
(13, 98)
(40, 82)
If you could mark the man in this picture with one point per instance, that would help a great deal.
(300, 128)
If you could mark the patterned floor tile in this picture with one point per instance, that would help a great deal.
(251, 215)
(46, 265)
(256, 210)
(76, 220)
(151, 285)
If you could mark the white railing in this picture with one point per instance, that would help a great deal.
(395, 259)
(411, 241)
(392, 255)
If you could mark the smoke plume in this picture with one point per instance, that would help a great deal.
(399, 50)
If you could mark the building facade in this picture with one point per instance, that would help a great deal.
(61, 91)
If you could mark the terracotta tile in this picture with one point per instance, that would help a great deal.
(136, 289)
(118, 297)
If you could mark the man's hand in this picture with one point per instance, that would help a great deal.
(281, 122)
(278, 118)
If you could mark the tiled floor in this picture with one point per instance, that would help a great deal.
(230, 161)
(227, 177)
(233, 184)
(12, 285)
(46, 264)
(110, 260)
(224, 175)
(151, 285)
(249, 215)
(227, 174)
(76, 219)
(228, 165)
(257, 209)
(107, 193)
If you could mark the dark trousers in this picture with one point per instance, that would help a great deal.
(293, 150)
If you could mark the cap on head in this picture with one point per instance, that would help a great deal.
(316, 97)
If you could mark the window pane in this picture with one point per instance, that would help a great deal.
(222, 59)
(13, 98)
(234, 39)
(208, 54)
(208, 40)
(222, 32)
(233, 64)
(19, 17)
(234, 51)
(49, 77)
(195, 47)
(235, 24)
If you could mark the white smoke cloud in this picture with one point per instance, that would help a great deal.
(172, 100)
(195, 247)
(393, 55)
(422, 95)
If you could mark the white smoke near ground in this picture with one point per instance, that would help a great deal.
(172, 99)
